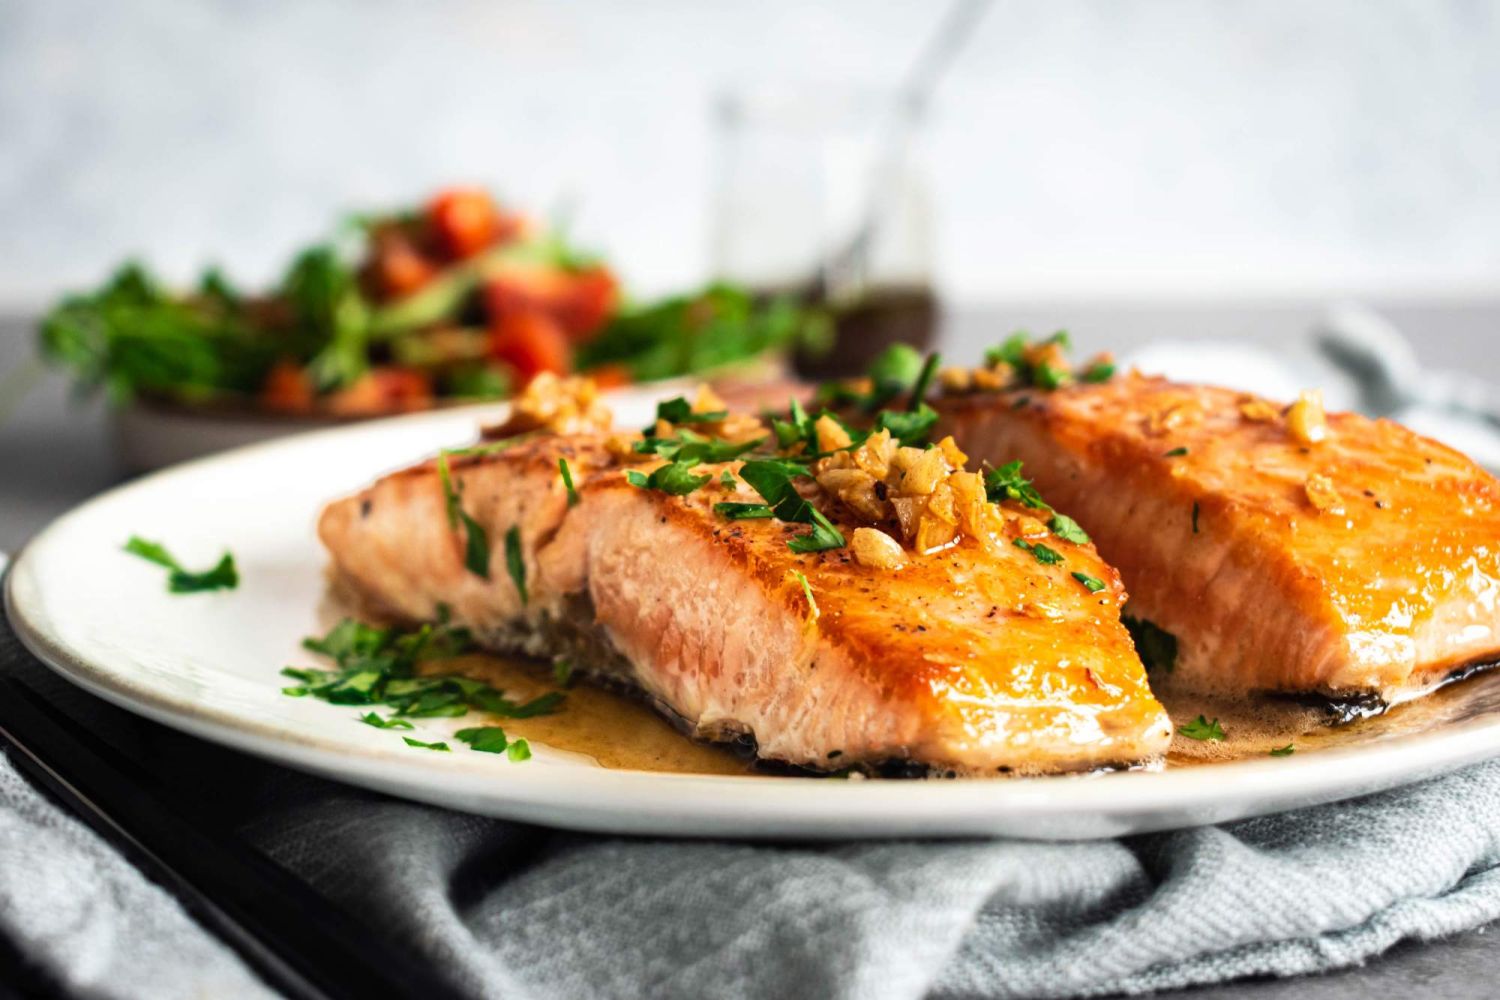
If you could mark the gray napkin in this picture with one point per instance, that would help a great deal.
(509, 910)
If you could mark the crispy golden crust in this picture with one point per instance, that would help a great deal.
(975, 658)
(1369, 560)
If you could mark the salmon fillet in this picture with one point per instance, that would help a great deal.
(976, 659)
(1366, 562)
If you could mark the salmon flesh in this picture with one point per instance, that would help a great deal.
(974, 659)
(1363, 562)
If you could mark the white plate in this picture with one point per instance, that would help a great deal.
(209, 664)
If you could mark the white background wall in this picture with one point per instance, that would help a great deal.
(1098, 147)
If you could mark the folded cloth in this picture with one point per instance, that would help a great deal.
(89, 920)
(505, 909)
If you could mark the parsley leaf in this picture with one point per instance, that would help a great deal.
(223, 575)
(897, 367)
(675, 479)
(1201, 729)
(485, 739)
(562, 671)
(1285, 751)
(515, 561)
(726, 479)
(679, 411)
(374, 719)
(1092, 584)
(695, 448)
(476, 539)
(1177, 452)
(1007, 483)
(1067, 529)
(426, 746)
(379, 667)
(812, 605)
(924, 379)
(1156, 646)
(518, 750)
(1099, 371)
(1044, 555)
(567, 478)
(1012, 350)
(772, 479)
(910, 427)
(744, 511)
(1044, 376)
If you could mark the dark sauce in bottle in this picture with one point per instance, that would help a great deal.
(863, 327)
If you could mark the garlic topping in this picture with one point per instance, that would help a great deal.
(1305, 419)
(559, 405)
(922, 496)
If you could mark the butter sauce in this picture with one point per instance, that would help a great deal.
(616, 731)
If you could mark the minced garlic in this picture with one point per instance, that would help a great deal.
(1305, 419)
(559, 405)
(1323, 495)
(1258, 410)
(874, 548)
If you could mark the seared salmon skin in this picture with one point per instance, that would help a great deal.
(1283, 549)
(976, 656)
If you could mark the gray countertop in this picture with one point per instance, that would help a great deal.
(55, 451)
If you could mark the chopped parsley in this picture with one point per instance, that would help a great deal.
(1099, 371)
(695, 449)
(894, 371)
(485, 739)
(1285, 751)
(567, 478)
(375, 666)
(812, 605)
(1201, 729)
(772, 479)
(910, 427)
(674, 479)
(518, 750)
(1014, 349)
(1044, 555)
(515, 561)
(1177, 452)
(476, 540)
(374, 719)
(1195, 517)
(924, 379)
(1156, 647)
(223, 575)
(1067, 529)
(1092, 584)
(1044, 376)
(744, 511)
(426, 746)
(727, 480)
(1007, 483)
(562, 672)
(679, 411)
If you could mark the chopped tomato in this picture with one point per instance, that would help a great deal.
(383, 390)
(609, 376)
(465, 221)
(400, 268)
(287, 389)
(531, 342)
(580, 301)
